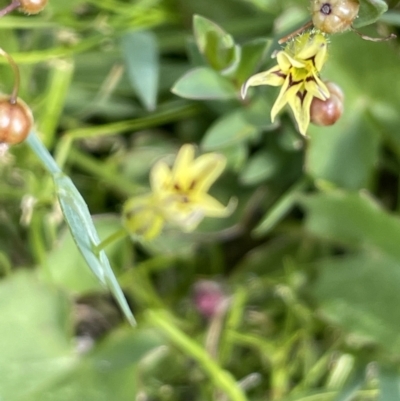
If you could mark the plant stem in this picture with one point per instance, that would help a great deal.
(11, 7)
(117, 235)
(14, 66)
(221, 378)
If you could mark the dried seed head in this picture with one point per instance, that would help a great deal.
(332, 16)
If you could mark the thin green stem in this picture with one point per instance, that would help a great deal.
(171, 112)
(11, 7)
(43, 154)
(103, 172)
(116, 236)
(221, 378)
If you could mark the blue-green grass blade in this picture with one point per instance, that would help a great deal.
(80, 223)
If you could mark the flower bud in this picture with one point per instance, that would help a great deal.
(327, 112)
(16, 120)
(208, 298)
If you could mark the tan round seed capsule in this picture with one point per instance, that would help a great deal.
(332, 16)
(32, 6)
(16, 121)
(327, 112)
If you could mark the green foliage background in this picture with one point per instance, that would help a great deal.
(309, 262)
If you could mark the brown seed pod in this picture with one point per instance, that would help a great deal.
(327, 112)
(32, 6)
(16, 120)
(332, 16)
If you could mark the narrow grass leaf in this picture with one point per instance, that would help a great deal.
(77, 216)
(140, 51)
(80, 223)
(280, 209)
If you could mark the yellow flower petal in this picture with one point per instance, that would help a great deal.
(213, 208)
(322, 92)
(283, 97)
(311, 45)
(300, 104)
(206, 169)
(181, 170)
(186, 216)
(273, 77)
(291, 61)
(141, 219)
(321, 56)
(160, 177)
(284, 61)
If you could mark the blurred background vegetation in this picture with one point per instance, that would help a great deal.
(294, 297)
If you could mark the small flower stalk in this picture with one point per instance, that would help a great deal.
(297, 72)
(179, 195)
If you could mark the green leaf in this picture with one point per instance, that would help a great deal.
(253, 54)
(140, 51)
(353, 384)
(389, 384)
(377, 93)
(77, 216)
(109, 372)
(361, 294)
(228, 130)
(391, 17)
(37, 349)
(257, 113)
(35, 343)
(66, 265)
(347, 154)
(236, 155)
(261, 166)
(370, 11)
(280, 209)
(204, 83)
(354, 220)
(217, 46)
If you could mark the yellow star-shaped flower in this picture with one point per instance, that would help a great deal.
(179, 195)
(299, 65)
(183, 190)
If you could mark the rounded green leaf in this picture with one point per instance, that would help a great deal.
(35, 335)
(216, 45)
(353, 219)
(253, 54)
(360, 293)
(346, 154)
(370, 11)
(228, 130)
(204, 83)
(262, 165)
